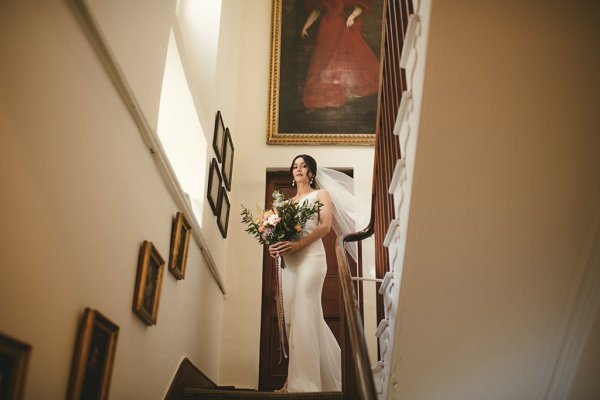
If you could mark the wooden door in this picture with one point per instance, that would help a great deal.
(273, 367)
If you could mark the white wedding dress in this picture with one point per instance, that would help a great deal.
(314, 354)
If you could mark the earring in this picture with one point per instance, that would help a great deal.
(312, 181)
(293, 182)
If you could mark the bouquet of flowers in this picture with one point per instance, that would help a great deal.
(284, 221)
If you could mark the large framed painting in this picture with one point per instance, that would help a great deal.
(325, 71)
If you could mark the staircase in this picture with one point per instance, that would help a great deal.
(192, 384)
(200, 394)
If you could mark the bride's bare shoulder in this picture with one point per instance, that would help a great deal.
(323, 196)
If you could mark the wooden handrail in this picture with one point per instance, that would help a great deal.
(357, 379)
(364, 385)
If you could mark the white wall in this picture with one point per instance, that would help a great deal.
(199, 24)
(223, 97)
(137, 32)
(507, 166)
(241, 327)
(80, 194)
(207, 37)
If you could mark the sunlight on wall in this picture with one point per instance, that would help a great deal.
(180, 131)
(197, 33)
(202, 20)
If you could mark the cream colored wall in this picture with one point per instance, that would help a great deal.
(199, 26)
(507, 166)
(224, 98)
(137, 33)
(241, 326)
(80, 193)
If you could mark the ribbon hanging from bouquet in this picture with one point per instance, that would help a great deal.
(279, 303)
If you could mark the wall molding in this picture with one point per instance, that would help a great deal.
(148, 134)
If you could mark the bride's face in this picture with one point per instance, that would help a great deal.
(301, 171)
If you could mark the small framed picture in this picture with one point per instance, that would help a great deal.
(214, 184)
(94, 356)
(219, 136)
(14, 358)
(228, 160)
(223, 213)
(147, 283)
(180, 240)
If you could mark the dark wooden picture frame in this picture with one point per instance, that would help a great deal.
(180, 240)
(223, 214)
(148, 283)
(14, 359)
(228, 159)
(94, 356)
(292, 119)
(214, 185)
(219, 136)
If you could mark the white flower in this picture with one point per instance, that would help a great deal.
(273, 219)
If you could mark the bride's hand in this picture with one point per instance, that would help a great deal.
(285, 247)
(273, 250)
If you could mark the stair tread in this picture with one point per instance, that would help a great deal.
(197, 394)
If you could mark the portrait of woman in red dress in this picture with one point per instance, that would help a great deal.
(325, 71)
(342, 64)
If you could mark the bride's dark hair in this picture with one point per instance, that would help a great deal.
(312, 167)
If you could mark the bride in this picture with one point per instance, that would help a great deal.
(314, 354)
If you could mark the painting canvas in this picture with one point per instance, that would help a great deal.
(228, 159)
(148, 283)
(219, 136)
(180, 241)
(214, 185)
(324, 71)
(223, 213)
(14, 357)
(93, 359)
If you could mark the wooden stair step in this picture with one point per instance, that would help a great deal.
(201, 394)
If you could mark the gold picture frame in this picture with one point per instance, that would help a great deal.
(291, 119)
(94, 356)
(148, 283)
(14, 359)
(180, 240)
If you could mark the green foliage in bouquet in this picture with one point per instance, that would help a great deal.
(284, 221)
